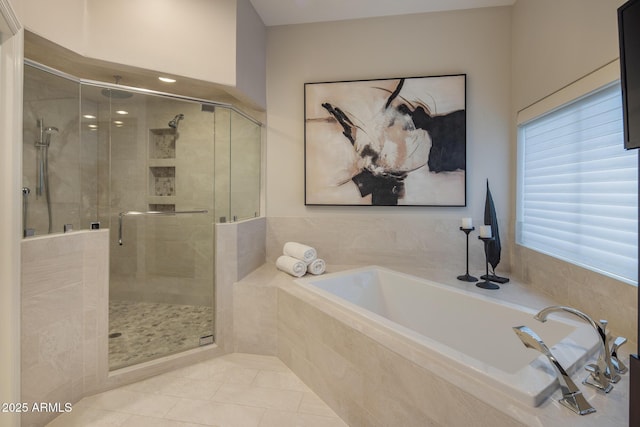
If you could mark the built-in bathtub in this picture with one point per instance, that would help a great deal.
(456, 331)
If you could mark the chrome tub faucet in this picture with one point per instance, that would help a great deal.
(603, 373)
(572, 397)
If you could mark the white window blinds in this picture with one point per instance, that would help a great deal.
(578, 187)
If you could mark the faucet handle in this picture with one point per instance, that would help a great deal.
(593, 368)
(615, 361)
(597, 378)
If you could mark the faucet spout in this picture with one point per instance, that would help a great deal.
(603, 373)
(572, 397)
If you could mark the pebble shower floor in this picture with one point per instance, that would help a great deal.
(142, 331)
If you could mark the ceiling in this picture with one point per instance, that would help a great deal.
(284, 12)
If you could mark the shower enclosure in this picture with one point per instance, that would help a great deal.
(159, 171)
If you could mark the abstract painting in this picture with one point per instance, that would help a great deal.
(386, 142)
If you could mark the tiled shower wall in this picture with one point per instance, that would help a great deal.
(65, 284)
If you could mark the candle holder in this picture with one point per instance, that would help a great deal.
(486, 284)
(466, 277)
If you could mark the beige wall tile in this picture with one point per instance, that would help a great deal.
(64, 317)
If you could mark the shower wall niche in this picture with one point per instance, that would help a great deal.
(162, 169)
(162, 144)
(158, 171)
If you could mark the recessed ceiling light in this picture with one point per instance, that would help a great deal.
(93, 127)
(118, 122)
(167, 79)
(122, 112)
(89, 116)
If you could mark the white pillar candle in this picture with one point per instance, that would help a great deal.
(485, 231)
(467, 223)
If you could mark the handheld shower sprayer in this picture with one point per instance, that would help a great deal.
(173, 123)
(42, 165)
(45, 134)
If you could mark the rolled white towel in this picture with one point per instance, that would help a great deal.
(317, 266)
(298, 250)
(293, 266)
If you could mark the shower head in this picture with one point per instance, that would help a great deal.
(173, 123)
(115, 93)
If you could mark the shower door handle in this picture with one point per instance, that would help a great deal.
(121, 215)
(26, 232)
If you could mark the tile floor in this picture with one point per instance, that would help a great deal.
(235, 390)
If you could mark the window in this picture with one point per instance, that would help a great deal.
(578, 187)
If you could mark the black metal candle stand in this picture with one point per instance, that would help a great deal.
(466, 277)
(486, 284)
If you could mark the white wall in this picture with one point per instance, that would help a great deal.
(251, 52)
(557, 42)
(192, 38)
(475, 42)
(61, 21)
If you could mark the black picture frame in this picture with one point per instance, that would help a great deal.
(386, 142)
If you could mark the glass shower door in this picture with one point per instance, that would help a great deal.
(158, 174)
(165, 304)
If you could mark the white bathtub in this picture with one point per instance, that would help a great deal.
(466, 332)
